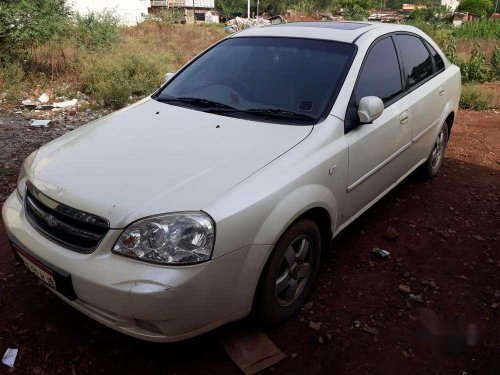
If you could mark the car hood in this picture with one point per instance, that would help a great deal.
(153, 158)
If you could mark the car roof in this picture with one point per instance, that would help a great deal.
(341, 31)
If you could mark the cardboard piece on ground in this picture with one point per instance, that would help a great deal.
(251, 350)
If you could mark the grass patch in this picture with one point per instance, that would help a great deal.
(112, 70)
(483, 29)
(476, 98)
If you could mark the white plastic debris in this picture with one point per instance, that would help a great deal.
(44, 98)
(27, 102)
(67, 103)
(10, 357)
(40, 123)
(382, 253)
(239, 23)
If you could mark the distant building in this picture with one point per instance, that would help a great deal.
(194, 10)
(212, 17)
(460, 17)
(452, 5)
(130, 12)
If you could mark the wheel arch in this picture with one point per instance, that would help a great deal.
(313, 201)
(450, 120)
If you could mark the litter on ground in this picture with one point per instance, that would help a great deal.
(40, 123)
(251, 350)
(9, 357)
(381, 252)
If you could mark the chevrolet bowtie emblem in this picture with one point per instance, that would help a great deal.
(50, 220)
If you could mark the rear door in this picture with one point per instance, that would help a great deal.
(376, 150)
(426, 89)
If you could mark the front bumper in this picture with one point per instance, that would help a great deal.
(147, 301)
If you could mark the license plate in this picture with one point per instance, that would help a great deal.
(42, 272)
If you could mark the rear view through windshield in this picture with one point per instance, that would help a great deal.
(276, 79)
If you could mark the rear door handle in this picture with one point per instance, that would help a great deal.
(403, 118)
(441, 91)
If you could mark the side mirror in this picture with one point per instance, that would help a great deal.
(167, 77)
(370, 108)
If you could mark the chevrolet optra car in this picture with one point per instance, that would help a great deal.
(216, 196)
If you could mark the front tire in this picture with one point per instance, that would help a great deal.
(289, 274)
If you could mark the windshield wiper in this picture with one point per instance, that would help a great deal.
(268, 112)
(203, 103)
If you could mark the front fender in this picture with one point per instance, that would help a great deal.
(293, 206)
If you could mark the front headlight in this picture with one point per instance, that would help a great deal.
(23, 174)
(177, 238)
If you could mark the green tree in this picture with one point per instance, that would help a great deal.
(357, 10)
(479, 8)
(27, 23)
(231, 8)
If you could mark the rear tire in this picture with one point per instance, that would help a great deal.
(431, 167)
(289, 274)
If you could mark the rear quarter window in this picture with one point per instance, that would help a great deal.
(438, 61)
(417, 61)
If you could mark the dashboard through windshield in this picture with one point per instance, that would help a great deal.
(275, 79)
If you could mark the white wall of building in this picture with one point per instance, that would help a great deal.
(130, 12)
(450, 4)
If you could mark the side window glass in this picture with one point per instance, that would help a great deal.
(416, 59)
(380, 75)
(437, 58)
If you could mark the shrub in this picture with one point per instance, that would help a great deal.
(11, 80)
(479, 8)
(495, 64)
(450, 50)
(96, 29)
(475, 70)
(114, 77)
(473, 97)
(171, 15)
(483, 29)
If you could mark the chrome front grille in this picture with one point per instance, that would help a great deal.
(71, 228)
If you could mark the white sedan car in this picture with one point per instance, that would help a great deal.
(216, 196)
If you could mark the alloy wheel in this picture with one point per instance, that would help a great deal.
(438, 150)
(294, 270)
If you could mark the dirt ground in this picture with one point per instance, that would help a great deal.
(444, 247)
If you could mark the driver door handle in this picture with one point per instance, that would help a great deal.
(403, 118)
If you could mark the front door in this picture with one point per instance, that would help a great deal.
(376, 150)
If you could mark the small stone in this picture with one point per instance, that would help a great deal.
(328, 336)
(391, 234)
(371, 330)
(308, 306)
(37, 370)
(320, 340)
(315, 325)
(293, 355)
(404, 289)
(417, 298)
(477, 237)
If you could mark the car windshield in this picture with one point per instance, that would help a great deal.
(291, 80)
